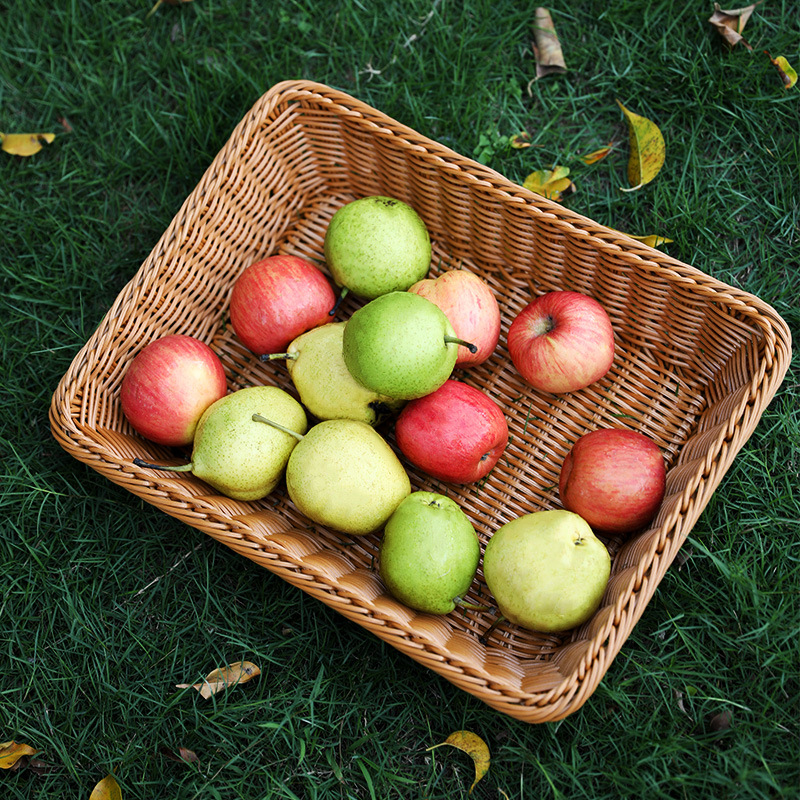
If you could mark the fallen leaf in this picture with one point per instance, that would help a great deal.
(550, 183)
(107, 789)
(546, 47)
(218, 679)
(785, 70)
(520, 140)
(183, 756)
(647, 149)
(24, 144)
(730, 24)
(11, 752)
(651, 240)
(474, 746)
(597, 155)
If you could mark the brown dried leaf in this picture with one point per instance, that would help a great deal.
(550, 183)
(218, 679)
(730, 24)
(24, 144)
(107, 789)
(12, 752)
(183, 756)
(474, 746)
(546, 46)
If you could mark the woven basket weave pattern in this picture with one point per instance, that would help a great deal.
(696, 364)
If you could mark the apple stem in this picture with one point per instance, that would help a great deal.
(484, 637)
(147, 465)
(275, 356)
(454, 340)
(342, 295)
(259, 418)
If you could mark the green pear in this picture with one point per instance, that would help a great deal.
(547, 570)
(429, 553)
(237, 456)
(326, 388)
(343, 474)
(401, 345)
(376, 245)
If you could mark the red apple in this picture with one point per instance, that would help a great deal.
(456, 434)
(561, 342)
(167, 387)
(471, 307)
(275, 300)
(613, 478)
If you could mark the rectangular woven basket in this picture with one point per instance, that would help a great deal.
(696, 364)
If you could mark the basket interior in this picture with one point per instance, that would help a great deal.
(692, 359)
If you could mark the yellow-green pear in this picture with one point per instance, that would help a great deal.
(326, 388)
(236, 455)
(343, 474)
(547, 570)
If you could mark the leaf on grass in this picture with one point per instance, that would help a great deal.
(520, 140)
(550, 183)
(12, 752)
(785, 70)
(218, 679)
(107, 789)
(183, 756)
(651, 240)
(597, 155)
(647, 149)
(730, 24)
(24, 144)
(546, 47)
(474, 746)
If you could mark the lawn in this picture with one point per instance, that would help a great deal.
(106, 604)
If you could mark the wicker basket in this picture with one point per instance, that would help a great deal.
(697, 362)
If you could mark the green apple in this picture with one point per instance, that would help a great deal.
(400, 345)
(547, 570)
(376, 245)
(429, 553)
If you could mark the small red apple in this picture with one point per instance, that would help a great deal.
(561, 342)
(275, 300)
(167, 387)
(470, 305)
(456, 434)
(614, 478)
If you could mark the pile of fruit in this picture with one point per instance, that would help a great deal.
(393, 359)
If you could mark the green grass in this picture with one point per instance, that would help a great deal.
(106, 604)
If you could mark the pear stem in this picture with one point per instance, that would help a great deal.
(259, 418)
(484, 637)
(461, 603)
(275, 356)
(342, 295)
(454, 340)
(147, 465)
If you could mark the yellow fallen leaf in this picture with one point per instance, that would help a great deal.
(11, 752)
(107, 789)
(474, 746)
(24, 144)
(520, 140)
(551, 183)
(647, 149)
(597, 155)
(651, 240)
(730, 24)
(218, 679)
(546, 47)
(785, 70)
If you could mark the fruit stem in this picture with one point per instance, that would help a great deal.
(147, 465)
(342, 295)
(259, 418)
(461, 603)
(454, 340)
(274, 356)
(484, 637)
